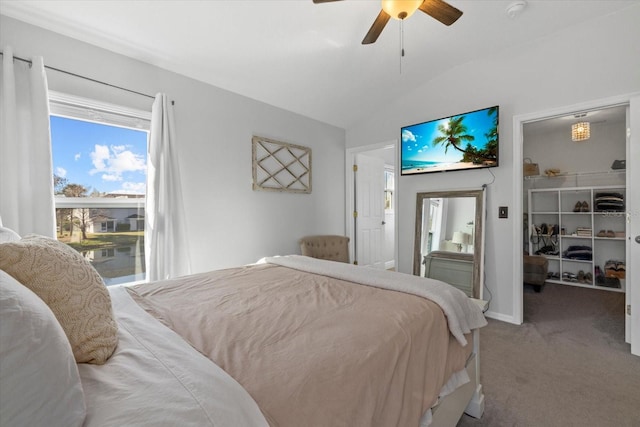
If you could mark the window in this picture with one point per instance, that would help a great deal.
(99, 161)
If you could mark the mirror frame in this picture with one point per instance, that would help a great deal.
(478, 244)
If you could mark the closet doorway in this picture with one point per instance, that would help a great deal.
(576, 195)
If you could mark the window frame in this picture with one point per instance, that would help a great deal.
(90, 110)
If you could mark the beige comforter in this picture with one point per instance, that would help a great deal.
(313, 350)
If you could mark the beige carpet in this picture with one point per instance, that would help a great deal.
(567, 365)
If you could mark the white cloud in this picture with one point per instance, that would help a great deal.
(407, 135)
(77, 157)
(111, 177)
(113, 161)
(131, 188)
(61, 172)
(126, 161)
(134, 187)
(99, 157)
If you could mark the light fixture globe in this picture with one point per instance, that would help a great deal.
(580, 131)
(400, 9)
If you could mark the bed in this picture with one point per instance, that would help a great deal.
(455, 268)
(288, 341)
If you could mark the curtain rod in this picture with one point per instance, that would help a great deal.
(28, 61)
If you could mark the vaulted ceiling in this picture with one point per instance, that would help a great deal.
(300, 56)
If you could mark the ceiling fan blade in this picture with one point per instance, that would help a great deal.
(324, 1)
(376, 28)
(441, 11)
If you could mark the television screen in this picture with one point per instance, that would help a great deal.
(464, 141)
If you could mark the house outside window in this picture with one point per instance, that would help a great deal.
(99, 155)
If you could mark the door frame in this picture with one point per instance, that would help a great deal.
(350, 155)
(518, 123)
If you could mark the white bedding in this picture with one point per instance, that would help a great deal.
(156, 379)
(462, 314)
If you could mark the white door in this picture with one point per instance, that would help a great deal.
(369, 203)
(633, 228)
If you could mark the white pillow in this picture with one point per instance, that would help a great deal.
(8, 235)
(39, 376)
(72, 289)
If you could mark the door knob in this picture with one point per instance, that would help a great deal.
(637, 239)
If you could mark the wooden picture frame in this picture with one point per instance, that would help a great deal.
(280, 166)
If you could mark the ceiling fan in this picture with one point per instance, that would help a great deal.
(402, 9)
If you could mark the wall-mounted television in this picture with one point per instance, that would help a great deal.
(460, 142)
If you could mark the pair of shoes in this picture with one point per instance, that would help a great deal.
(588, 278)
(581, 276)
(581, 207)
(613, 268)
(606, 233)
(569, 277)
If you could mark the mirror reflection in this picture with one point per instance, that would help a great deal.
(448, 242)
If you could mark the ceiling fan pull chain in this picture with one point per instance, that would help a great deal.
(401, 43)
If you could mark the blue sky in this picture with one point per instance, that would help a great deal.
(417, 139)
(100, 157)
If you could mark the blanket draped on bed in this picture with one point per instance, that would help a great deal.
(462, 314)
(312, 349)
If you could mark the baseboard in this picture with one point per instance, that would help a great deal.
(501, 317)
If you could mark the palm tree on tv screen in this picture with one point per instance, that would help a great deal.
(454, 133)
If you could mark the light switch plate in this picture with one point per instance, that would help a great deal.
(503, 212)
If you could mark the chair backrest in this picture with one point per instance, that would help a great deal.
(332, 248)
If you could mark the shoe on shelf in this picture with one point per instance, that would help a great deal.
(581, 276)
(601, 233)
(610, 265)
(584, 207)
(577, 207)
(588, 278)
(610, 233)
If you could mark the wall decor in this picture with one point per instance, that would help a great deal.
(279, 166)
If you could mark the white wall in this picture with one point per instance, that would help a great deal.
(228, 223)
(582, 63)
(555, 149)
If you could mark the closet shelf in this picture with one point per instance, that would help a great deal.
(575, 174)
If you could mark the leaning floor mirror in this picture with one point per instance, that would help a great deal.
(449, 238)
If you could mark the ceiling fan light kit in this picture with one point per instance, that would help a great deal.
(402, 9)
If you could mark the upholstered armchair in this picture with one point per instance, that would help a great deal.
(329, 247)
(535, 271)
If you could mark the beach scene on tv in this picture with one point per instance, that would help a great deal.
(465, 141)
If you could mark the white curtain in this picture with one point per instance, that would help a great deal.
(26, 175)
(166, 245)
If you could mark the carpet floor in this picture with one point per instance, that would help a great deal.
(566, 365)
